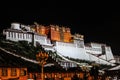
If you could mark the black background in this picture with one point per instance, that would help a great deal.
(96, 22)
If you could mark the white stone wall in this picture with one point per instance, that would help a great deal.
(79, 53)
(95, 45)
(109, 55)
(40, 39)
(18, 36)
(15, 26)
(93, 50)
(70, 51)
(99, 60)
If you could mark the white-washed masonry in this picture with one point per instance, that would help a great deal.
(97, 52)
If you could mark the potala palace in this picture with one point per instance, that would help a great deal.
(60, 40)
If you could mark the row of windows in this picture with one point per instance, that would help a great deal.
(79, 45)
(107, 48)
(93, 49)
(66, 44)
(68, 64)
(4, 72)
(23, 36)
(95, 45)
(19, 35)
(14, 35)
(52, 75)
(39, 37)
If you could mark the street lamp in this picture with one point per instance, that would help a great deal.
(41, 58)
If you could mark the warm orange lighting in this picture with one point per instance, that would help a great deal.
(41, 58)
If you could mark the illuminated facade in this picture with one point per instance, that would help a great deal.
(59, 39)
(13, 73)
(55, 32)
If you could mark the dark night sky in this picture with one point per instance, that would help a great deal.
(97, 25)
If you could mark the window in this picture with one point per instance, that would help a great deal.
(26, 36)
(4, 72)
(14, 35)
(28, 75)
(39, 75)
(62, 63)
(23, 35)
(8, 34)
(69, 75)
(13, 72)
(22, 72)
(18, 35)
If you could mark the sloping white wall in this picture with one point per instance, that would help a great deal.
(109, 54)
(79, 53)
(72, 52)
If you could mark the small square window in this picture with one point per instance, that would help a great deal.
(13, 72)
(4, 72)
